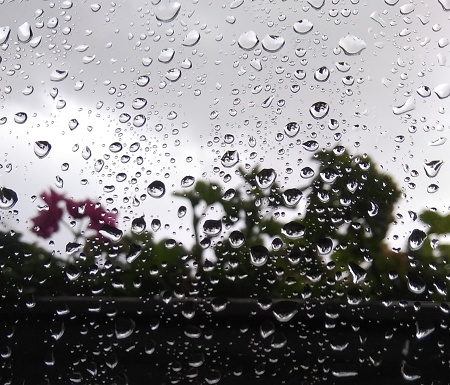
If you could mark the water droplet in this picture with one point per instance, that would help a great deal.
(52, 22)
(57, 76)
(352, 45)
(8, 198)
(72, 272)
(266, 178)
(123, 118)
(373, 210)
(248, 40)
(139, 103)
(292, 129)
(73, 123)
(324, 246)
(433, 167)
(424, 91)
(138, 225)
(432, 188)
(292, 196)
(42, 148)
(115, 147)
(267, 328)
(156, 189)
(445, 4)
(191, 38)
(284, 311)
(310, 145)
(187, 181)
(166, 55)
(98, 166)
(143, 80)
(272, 43)
(73, 247)
(139, 120)
(219, 303)
(236, 4)
(173, 74)
(24, 33)
(293, 230)
(134, 253)
(328, 175)
(424, 329)
(409, 105)
(28, 90)
(322, 74)
(307, 172)
(417, 239)
(124, 327)
(230, 158)
(236, 238)
(303, 26)
(155, 225)
(258, 255)
(20, 117)
(358, 273)
(442, 90)
(112, 233)
(182, 210)
(212, 227)
(167, 10)
(95, 7)
(4, 34)
(319, 110)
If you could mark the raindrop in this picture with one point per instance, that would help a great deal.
(258, 255)
(442, 90)
(20, 117)
(284, 311)
(236, 238)
(417, 239)
(123, 327)
(167, 10)
(57, 76)
(307, 172)
(156, 189)
(8, 198)
(138, 225)
(293, 230)
(52, 23)
(324, 246)
(424, 91)
(166, 55)
(445, 4)
(236, 4)
(212, 227)
(248, 40)
(95, 7)
(292, 129)
(115, 147)
(433, 167)
(267, 328)
(410, 373)
(219, 303)
(139, 120)
(42, 148)
(112, 233)
(4, 34)
(173, 74)
(73, 273)
(310, 145)
(409, 105)
(139, 103)
(328, 175)
(432, 188)
(191, 38)
(73, 123)
(358, 273)
(373, 211)
(319, 110)
(303, 26)
(155, 225)
(123, 118)
(28, 90)
(181, 211)
(333, 124)
(73, 247)
(352, 45)
(266, 178)
(187, 181)
(272, 43)
(343, 66)
(134, 252)
(24, 33)
(292, 196)
(322, 74)
(98, 166)
(142, 81)
(230, 158)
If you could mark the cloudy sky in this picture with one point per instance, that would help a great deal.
(240, 72)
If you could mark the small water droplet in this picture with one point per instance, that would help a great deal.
(57, 76)
(4, 34)
(42, 148)
(8, 198)
(322, 74)
(191, 38)
(292, 129)
(115, 147)
(156, 189)
(258, 255)
(95, 7)
(138, 225)
(319, 110)
(248, 40)
(173, 74)
(303, 26)
(24, 33)
(284, 311)
(20, 117)
(417, 239)
(124, 327)
(143, 80)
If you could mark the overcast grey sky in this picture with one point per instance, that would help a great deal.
(223, 89)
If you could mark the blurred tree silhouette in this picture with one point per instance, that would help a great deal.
(333, 246)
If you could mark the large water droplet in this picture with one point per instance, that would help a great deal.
(4, 34)
(303, 26)
(139, 120)
(42, 148)
(292, 197)
(310, 145)
(139, 103)
(445, 4)
(191, 38)
(143, 80)
(319, 110)
(293, 230)
(352, 45)
(409, 105)
(248, 40)
(358, 273)
(58, 75)
(112, 233)
(258, 255)
(156, 189)
(284, 311)
(124, 327)
(424, 91)
(266, 178)
(212, 227)
(230, 158)
(324, 246)
(167, 10)
(8, 198)
(272, 43)
(173, 74)
(24, 33)
(236, 238)
(166, 55)
(20, 117)
(291, 129)
(432, 168)
(417, 239)
(442, 90)
(322, 74)
(219, 303)
(187, 181)
(138, 225)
